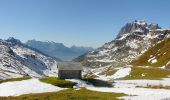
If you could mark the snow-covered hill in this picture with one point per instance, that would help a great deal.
(17, 60)
(133, 39)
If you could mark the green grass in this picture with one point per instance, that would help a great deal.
(70, 94)
(15, 79)
(150, 73)
(157, 51)
(58, 82)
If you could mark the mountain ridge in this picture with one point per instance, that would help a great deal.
(17, 41)
(58, 50)
(133, 39)
(18, 60)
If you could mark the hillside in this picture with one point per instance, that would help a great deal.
(17, 60)
(58, 50)
(156, 56)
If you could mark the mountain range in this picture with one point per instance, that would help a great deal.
(137, 44)
(58, 50)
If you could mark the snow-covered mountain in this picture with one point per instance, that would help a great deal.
(133, 39)
(17, 60)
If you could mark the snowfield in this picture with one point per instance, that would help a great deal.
(142, 93)
(136, 83)
(133, 88)
(26, 87)
(122, 72)
(135, 92)
(128, 87)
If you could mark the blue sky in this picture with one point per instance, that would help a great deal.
(76, 22)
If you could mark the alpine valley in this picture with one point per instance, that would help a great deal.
(137, 44)
(134, 66)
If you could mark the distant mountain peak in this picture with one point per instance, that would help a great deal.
(13, 40)
(47, 41)
(137, 26)
(139, 22)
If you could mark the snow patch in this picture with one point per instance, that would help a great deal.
(142, 93)
(143, 74)
(123, 36)
(105, 60)
(132, 44)
(122, 73)
(131, 87)
(152, 60)
(163, 67)
(140, 22)
(151, 36)
(80, 83)
(26, 87)
(138, 30)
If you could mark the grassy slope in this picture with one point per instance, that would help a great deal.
(148, 73)
(158, 51)
(15, 79)
(58, 82)
(70, 94)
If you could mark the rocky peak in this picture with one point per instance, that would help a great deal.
(13, 40)
(137, 26)
(152, 26)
